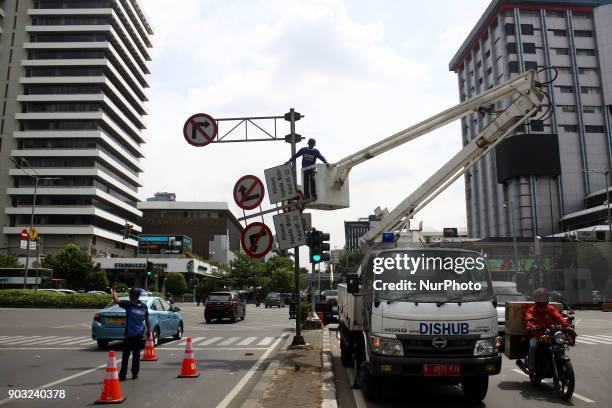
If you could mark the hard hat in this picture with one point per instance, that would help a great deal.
(541, 295)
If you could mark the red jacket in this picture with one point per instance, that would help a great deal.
(546, 318)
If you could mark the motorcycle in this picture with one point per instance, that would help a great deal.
(552, 362)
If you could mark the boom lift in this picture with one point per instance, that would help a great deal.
(332, 182)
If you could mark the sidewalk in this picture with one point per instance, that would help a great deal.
(301, 378)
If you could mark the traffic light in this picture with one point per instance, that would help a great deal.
(317, 241)
(126, 230)
(150, 267)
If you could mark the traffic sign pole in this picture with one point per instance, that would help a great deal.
(297, 339)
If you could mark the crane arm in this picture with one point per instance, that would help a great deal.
(522, 108)
(524, 84)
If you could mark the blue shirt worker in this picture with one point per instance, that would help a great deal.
(136, 316)
(309, 157)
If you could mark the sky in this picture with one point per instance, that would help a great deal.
(359, 71)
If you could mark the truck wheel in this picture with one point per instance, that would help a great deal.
(346, 354)
(475, 388)
(371, 386)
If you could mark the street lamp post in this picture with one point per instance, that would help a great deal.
(36, 177)
(510, 206)
(606, 174)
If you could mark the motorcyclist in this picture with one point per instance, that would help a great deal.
(541, 315)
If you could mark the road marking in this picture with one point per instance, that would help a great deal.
(193, 341)
(210, 341)
(583, 341)
(596, 340)
(8, 343)
(31, 342)
(12, 338)
(603, 336)
(265, 341)
(580, 397)
(89, 340)
(51, 384)
(73, 325)
(62, 340)
(228, 341)
(247, 341)
(236, 390)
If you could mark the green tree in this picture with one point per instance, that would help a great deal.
(354, 260)
(278, 262)
(282, 280)
(96, 279)
(76, 267)
(176, 283)
(244, 270)
(9, 261)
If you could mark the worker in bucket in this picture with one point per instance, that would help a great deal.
(309, 157)
(136, 317)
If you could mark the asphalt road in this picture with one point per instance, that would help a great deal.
(511, 389)
(52, 349)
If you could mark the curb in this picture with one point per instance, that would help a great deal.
(257, 393)
(328, 386)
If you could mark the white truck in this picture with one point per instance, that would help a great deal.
(391, 329)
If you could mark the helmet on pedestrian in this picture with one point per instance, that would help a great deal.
(541, 297)
(311, 142)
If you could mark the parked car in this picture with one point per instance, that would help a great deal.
(274, 299)
(505, 292)
(109, 323)
(96, 292)
(220, 305)
(67, 291)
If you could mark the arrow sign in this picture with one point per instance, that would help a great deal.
(248, 192)
(200, 129)
(256, 239)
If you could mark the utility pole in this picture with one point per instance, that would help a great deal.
(297, 339)
(510, 206)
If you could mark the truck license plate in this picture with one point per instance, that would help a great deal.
(441, 370)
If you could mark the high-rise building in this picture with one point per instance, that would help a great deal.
(73, 79)
(511, 37)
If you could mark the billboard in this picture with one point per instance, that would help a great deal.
(164, 244)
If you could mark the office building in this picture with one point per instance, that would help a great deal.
(214, 230)
(511, 37)
(73, 84)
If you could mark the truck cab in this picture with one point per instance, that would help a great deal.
(420, 312)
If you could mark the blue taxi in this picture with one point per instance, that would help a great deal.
(109, 323)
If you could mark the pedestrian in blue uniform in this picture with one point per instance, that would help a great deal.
(136, 316)
(309, 157)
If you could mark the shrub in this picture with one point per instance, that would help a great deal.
(30, 298)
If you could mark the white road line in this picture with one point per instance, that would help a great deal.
(193, 340)
(88, 340)
(247, 341)
(596, 340)
(20, 340)
(228, 341)
(4, 337)
(580, 397)
(162, 348)
(62, 340)
(62, 380)
(210, 341)
(30, 342)
(357, 396)
(583, 341)
(265, 341)
(13, 338)
(52, 341)
(236, 390)
(603, 336)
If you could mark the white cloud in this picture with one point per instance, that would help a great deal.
(255, 58)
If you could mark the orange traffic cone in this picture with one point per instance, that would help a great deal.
(111, 392)
(149, 351)
(189, 369)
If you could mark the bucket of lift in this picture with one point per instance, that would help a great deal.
(330, 195)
